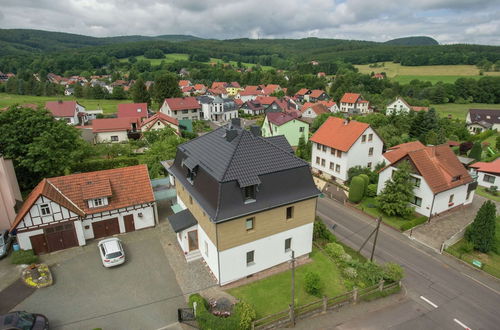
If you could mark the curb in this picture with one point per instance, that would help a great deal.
(470, 266)
(370, 216)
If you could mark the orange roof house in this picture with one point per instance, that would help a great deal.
(338, 133)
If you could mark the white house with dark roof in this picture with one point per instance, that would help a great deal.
(479, 120)
(247, 202)
(340, 144)
(440, 181)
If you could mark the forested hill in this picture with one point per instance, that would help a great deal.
(413, 41)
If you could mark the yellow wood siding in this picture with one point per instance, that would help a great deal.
(233, 232)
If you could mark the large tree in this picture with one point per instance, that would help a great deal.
(397, 194)
(162, 146)
(482, 231)
(165, 86)
(39, 145)
(140, 93)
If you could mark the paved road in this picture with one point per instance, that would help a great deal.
(440, 289)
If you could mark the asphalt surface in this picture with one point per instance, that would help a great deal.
(13, 295)
(442, 293)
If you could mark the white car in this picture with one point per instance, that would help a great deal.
(112, 253)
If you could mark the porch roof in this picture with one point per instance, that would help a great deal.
(182, 220)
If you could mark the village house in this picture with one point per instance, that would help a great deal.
(181, 108)
(10, 195)
(249, 93)
(301, 94)
(217, 109)
(66, 211)
(340, 144)
(233, 89)
(252, 107)
(488, 174)
(400, 106)
(354, 104)
(200, 89)
(116, 130)
(70, 111)
(159, 121)
(283, 105)
(271, 88)
(479, 120)
(184, 83)
(289, 125)
(316, 95)
(314, 110)
(133, 110)
(247, 200)
(440, 181)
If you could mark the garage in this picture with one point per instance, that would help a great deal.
(106, 228)
(55, 238)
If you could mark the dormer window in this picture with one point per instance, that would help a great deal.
(97, 202)
(456, 178)
(190, 176)
(249, 192)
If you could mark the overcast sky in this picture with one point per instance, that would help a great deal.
(448, 21)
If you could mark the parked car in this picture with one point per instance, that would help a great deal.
(5, 242)
(112, 253)
(23, 321)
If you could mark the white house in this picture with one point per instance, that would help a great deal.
(181, 108)
(488, 174)
(340, 144)
(215, 108)
(116, 130)
(70, 111)
(314, 110)
(479, 120)
(441, 182)
(66, 211)
(353, 104)
(397, 106)
(159, 121)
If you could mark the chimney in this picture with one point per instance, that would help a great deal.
(255, 130)
(235, 123)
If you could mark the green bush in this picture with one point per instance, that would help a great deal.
(246, 314)
(412, 223)
(350, 272)
(393, 272)
(334, 250)
(320, 232)
(370, 273)
(466, 247)
(312, 284)
(476, 151)
(356, 189)
(24, 257)
(367, 181)
(100, 164)
(371, 191)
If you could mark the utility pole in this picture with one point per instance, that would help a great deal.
(292, 305)
(375, 239)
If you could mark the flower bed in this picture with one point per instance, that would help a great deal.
(37, 276)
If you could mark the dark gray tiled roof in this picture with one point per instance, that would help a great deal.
(182, 220)
(478, 115)
(280, 141)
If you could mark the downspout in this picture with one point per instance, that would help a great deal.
(432, 207)
(218, 257)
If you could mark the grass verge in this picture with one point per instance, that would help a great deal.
(481, 191)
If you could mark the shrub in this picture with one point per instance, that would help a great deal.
(345, 257)
(350, 272)
(371, 191)
(482, 230)
(476, 151)
(104, 164)
(334, 250)
(246, 314)
(393, 272)
(370, 273)
(312, 284)
(356, 189)
(320, 232)
(24, 257)
(466, 247)
(493, 190)
(367, 181)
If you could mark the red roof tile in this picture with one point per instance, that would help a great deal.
(280, 118)
(161, 117)
(199, 87)
(61, 108)
(266, 100)
(492, 167)
(395, 153)
(182, 103)
(318, 108)
(302, 91)
(134, 110)
(338, 133)
(350, 98)
(216, 84)
(113, 124)
(184, 83)
(316, 93)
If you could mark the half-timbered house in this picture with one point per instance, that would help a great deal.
(67, 211)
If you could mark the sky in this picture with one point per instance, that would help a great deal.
(447, 21)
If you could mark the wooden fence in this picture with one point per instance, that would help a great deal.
(289, 316)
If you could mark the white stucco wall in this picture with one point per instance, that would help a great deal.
(182, 238)
(106, 136)
(24, 238)
(34, 217)
(396, 107)
(269, 252)
(212, 258)
(482, 183)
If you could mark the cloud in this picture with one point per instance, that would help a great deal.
(449, 21)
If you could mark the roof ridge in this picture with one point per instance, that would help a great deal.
(232, 155)
(63, 195)
(278, 147)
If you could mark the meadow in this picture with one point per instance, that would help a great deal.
(460, 110)
(108, 106)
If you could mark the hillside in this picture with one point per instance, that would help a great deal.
(413, 41)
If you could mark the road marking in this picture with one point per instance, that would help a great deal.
(472, 278)
(461, 324)
(429, 302)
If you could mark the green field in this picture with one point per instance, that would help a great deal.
(432, 73)
(108, 106)
(246, 65)
(460, 110)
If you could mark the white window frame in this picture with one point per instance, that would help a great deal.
(44, 208)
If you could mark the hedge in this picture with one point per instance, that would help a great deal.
(24, 257)
(105, 164)
(357, 189)
(412, 223)
(367, 181)
(241, 318)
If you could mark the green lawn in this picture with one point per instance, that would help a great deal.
(169, 58)
(369, 205)
(108, 106)
(491, 260)
(460, 110)
(405, 79)
(272, 294)
(246, 65)
(481, 191)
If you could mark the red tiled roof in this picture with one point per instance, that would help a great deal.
(302, 91)
(216, 84)
(61, 108)
(395, 153)
(113, 124)
(280, 118)
(316, 93)
(266, 100)
(350, 98)
(182, 103)
(135, 110)
(235, 84)
(338, 133)
(419, 108)
(162, 117)
(318, 108)
(199, 87)
(238, 102)
(492, 167)
(306, 106)
(269, 89)
(68, 190)
(251, 90)
(184, 83)
(187, 89)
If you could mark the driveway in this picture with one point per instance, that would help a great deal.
(443, 227)
(140, 294)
